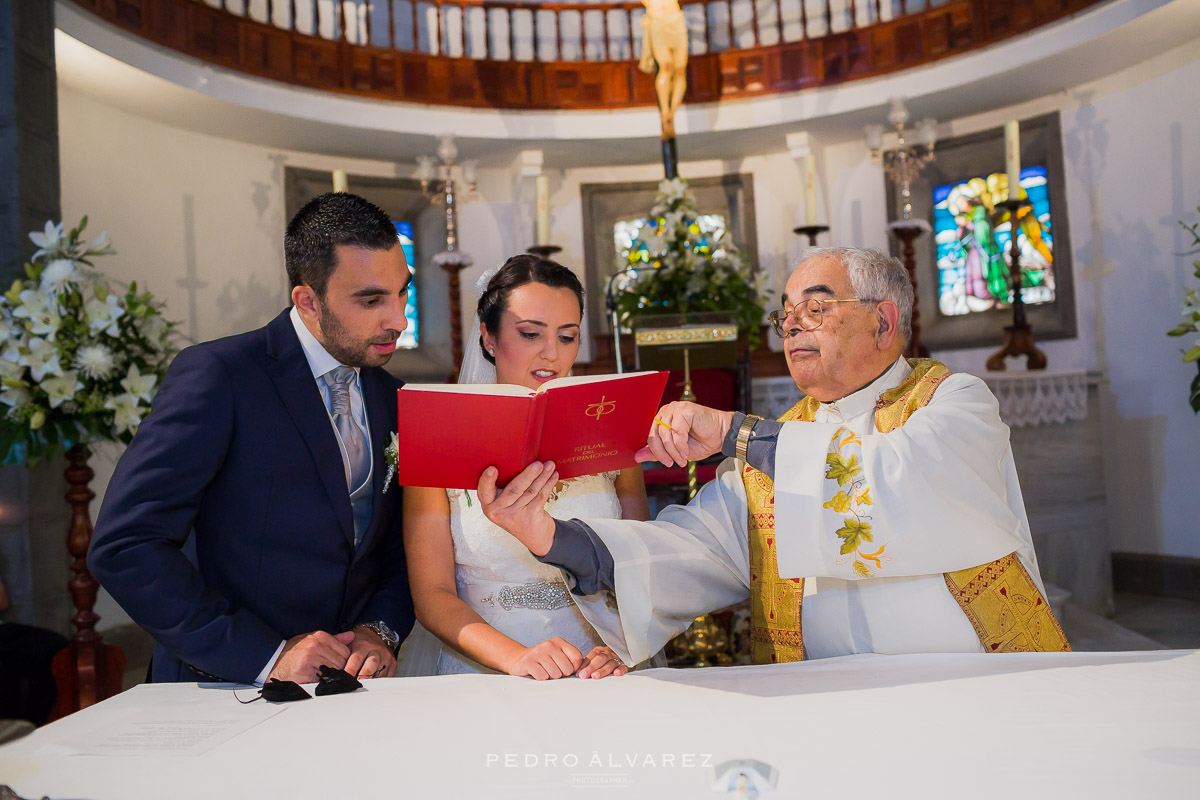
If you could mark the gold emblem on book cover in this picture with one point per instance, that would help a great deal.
(598, 410)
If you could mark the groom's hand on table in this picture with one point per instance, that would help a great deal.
(520, 507)
(304, 654)
(684, 432)
(370, 656)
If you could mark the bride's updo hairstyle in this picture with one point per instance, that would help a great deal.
(516, 272)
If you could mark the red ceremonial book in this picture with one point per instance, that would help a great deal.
(449, 434)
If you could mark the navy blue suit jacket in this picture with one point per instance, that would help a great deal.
(239, 462)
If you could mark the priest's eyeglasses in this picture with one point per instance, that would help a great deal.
(809, 314)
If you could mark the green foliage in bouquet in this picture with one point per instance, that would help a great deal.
(680, 267)
(1191, 320)
(80, 358)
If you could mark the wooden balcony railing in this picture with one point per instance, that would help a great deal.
(569, 55)
(580, 31)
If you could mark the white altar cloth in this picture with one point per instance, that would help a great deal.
(1096, 725)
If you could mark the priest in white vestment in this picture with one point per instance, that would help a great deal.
(882, 514)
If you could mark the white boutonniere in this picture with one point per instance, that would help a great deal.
(391, 454)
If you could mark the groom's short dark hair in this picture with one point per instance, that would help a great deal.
(334, 218)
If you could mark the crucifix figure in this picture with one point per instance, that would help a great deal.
(665, 47)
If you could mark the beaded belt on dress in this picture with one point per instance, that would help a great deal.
(542, 596)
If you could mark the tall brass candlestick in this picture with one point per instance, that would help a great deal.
(689, 396)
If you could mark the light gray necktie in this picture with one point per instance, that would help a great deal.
(338, 380)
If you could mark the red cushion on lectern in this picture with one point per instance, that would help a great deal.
(714, 387)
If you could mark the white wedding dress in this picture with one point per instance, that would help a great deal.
(515, 593)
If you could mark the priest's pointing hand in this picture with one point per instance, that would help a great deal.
(520, 507)
(684, 432)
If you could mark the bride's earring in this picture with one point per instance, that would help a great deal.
(491, 352)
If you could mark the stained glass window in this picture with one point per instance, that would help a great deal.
(973, 233)
(410, 337)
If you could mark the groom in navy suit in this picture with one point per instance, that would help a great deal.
(246, 527)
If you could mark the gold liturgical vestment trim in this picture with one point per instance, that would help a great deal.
(1000, 599)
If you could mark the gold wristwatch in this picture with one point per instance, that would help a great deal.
(743, 435)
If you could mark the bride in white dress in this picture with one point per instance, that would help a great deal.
(483, 602)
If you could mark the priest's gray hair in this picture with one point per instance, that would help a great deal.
(875, 275)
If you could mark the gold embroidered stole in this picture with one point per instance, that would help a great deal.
(775, 633)
(1000, 599)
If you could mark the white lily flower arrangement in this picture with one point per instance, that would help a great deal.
(682, 261)
(80, 360)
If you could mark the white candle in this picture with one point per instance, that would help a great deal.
(1012, 158)
(543, 210)
(874, 136)
(340, 182)
(810, 190)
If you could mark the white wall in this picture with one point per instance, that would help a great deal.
(179, 204)
(1132, 170)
